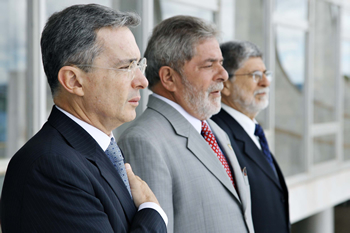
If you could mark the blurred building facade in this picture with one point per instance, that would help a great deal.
(306, 43)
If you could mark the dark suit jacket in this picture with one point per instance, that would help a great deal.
(62, 181)
(270, 208)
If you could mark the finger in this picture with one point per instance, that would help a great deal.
(138, 178)
(129, 172)
(127, 166)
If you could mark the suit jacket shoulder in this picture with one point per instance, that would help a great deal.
(61, 181)
(167, 152)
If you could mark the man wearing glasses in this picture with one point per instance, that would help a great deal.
(245, 94)
(71, 176)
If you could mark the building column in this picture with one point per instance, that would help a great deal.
(16, 117)
(322, 222)
(36, 113)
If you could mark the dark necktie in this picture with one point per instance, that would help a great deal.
(210, 139)
(115, 155)
(264, 146)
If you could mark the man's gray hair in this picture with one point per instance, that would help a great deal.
(173, 42)
(235, 53)
(69, 36)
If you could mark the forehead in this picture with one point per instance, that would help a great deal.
(208, 49)
(118, 43)
(253, 64)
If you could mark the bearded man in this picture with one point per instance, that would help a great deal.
(185, 158)
(245, 94)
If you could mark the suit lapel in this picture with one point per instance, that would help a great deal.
(195, 142)
(109, 173)
(224, 141)
(83, 143)
(206, 155)
(250, 149)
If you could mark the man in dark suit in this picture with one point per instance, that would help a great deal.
(70, 177)
(244, 95)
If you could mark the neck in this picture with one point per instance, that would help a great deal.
(160, 90)
(239, 108)
(74, 108)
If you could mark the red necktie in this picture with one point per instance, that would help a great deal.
(209, 137)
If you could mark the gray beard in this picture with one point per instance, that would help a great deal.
(199, 100)
(250, 105)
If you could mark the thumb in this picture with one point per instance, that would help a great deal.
(129, 172)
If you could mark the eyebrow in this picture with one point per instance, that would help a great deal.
(213, 60)
(124, 61)
(259, 71)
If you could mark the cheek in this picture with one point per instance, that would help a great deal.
(244, 88)
(251, 89)
(118, 97)
(122, 94)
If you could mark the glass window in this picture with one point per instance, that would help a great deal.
(289, 78)
(324, 148)
(346, 23)
(325, 62)
(12, 70)
(52, 6)
(227, 24)
(290, 45)
(249, 18)
(296, 9)
(249, 26)
(169, 9)
(345, 61)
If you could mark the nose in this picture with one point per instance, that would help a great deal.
(140, 81)
(222, 74)
(264, 82)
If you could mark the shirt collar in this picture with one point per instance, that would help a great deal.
(247, 124)
(100, 137)
(197, 124)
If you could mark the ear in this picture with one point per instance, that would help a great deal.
(168, 77)
(71, 80)
(227, 88)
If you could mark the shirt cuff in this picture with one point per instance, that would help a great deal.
(157, 208)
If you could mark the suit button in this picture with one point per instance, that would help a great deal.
(283, 200)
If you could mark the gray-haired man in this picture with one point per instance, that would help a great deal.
(244, 95)
(186, 158)
(70, 177)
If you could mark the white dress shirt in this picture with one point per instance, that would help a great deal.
(103, 140)
(247, 124)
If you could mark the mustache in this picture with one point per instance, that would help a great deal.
(216, 87)
(263, 90)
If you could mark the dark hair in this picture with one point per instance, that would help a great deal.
(235, 53)
(69, 36)
(173, 42)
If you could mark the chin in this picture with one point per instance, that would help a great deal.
(129, 117)
(212, 111)
(261, 105)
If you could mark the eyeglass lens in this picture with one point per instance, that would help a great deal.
(142, 66)
(258, 76)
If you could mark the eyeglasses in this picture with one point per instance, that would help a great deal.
(131, 69)
(257, 75)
